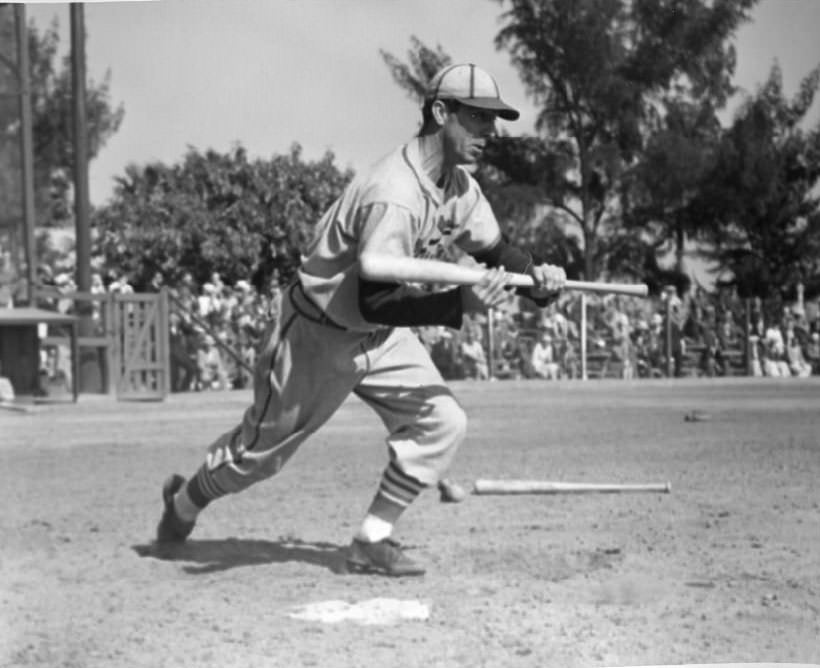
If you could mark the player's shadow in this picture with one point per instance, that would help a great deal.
(209, 556)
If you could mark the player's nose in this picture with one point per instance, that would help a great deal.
(488, 129)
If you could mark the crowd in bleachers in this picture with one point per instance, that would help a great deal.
(215, 330)
(704, 334)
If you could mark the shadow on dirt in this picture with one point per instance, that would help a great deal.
(209, 556)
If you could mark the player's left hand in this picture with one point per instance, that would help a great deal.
(549, 281)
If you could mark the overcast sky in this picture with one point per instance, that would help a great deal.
(267, 73)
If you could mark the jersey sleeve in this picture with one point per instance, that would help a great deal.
(386, 228)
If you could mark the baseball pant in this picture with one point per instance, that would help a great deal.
(306, 370)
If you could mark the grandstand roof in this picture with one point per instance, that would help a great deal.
(31, 316)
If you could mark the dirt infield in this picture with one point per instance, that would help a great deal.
(726, 568)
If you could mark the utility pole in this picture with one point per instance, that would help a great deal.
(81, 203)
(26, 149)
(88, 358)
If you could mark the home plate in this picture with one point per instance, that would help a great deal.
(374, 611)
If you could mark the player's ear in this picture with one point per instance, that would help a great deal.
(439, 110)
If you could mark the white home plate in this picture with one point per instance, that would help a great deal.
(373, 611)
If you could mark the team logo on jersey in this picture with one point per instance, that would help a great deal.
(433, 245)
(434, 248)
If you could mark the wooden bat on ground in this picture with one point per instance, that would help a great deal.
(549, 487)
(393, 269)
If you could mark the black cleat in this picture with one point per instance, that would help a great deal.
(171, 529)
(384, 557)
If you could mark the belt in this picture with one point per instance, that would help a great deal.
(308, 309)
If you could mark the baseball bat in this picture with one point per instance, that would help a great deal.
(395, 269)
(484, 486)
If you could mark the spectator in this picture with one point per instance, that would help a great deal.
(756, 319)
(775, 363)
(509, 359)
(702, 327)
(799, 321)
(65, 285)
(184, 294)
(544, 359)
(555, 322)
(654, 347)
(507, 362)
(728, 339)
(525, 344)
(814, 323)
(7, 280)
(183, 346)
(640, 348)
(616, 320)
(247, 352)
(208, 302)
(230, 364)
(97, 288)
(45, 280)
(755, 355)
(187, 281)
(620, 332)
(473, 357)
(570, 363)
(212, 370)
(674, 346)
(217, 282)
(119, 284)
(97, 285)
(798, 366)
(157, 282)
(813, 352)
(444, 354)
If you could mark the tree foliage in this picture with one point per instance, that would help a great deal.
(627, 95)
(602, 73)
(761, 195)
(51, 102)
(423, 63)
(215, 212)
(657, 191)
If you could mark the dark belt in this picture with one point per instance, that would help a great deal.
(308, 309)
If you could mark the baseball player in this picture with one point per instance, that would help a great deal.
(338, 333)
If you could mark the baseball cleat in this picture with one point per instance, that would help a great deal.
(384, 557)
(171, 529)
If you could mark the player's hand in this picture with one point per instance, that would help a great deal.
(488, 293)
(549, 281)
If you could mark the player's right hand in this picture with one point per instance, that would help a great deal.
(490, 292)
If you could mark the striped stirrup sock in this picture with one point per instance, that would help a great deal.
(398, 487)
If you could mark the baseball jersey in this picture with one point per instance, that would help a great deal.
(394, 208)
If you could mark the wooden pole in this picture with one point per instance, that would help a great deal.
(583, 336)
(491, 344)
(747, 334)
(26, 150)
(81, 203)
(82, 225)
(670, 362)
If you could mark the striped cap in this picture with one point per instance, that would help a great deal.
(472, 86)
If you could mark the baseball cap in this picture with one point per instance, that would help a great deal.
(472, 86)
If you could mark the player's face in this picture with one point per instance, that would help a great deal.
(466, 132)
